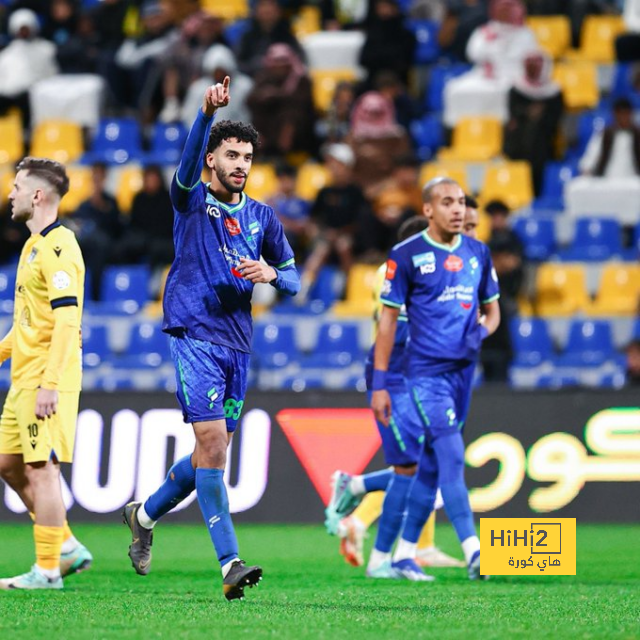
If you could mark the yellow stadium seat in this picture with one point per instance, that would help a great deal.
(59, 140)
(359, 299)
(154, 309)
(579, 83)
(129, 183)
(325, 82)
(510, 182)
(483, 232)
(553, 33)
(619, 291)
(6, 184)
(311, 178)
(307, 21)
(455, 170)
(262, 183)
(561, 290)
(227, 9)
(474, 139)
(80, 188)
(597, 39)
(11, 143)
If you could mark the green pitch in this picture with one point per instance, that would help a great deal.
(309, 592)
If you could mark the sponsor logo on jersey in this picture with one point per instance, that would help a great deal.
(423, 258)
(213, 212)
(474, 262)
(459, 292)
(392, 266)
(386, 288)
(466, 305)
(494, 275)
(61, 280)
(254, 228)
(453, 263)
(233, 226)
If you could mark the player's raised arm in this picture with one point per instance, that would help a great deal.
(190, 167)
(6, 345)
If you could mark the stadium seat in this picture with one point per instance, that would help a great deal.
(327, 287)
(595, 240)
(561, 290)
(557, 380)
(427, 46)
(588, 123)
(6, 184)
(11, 143)
(128, 284)
(590, 344)
(311, 178)
(553, 33)
(147, 337)
(302, 382)
(80, 189)
(334, 51)
(227, 9)
(117, 141)
(274, 345)
(619, 291)
(129, 183)
(597, 38)
(427, 135)
(632, 253)
(531, 342)
(57, 139)
(337, 346)
(234, 31)
(579, 84)
(474, 139)
(7, 282)
(167, 142)
(263, 182)
(555, 175)
(455, 170)
(307, 21)
(359, 298)
(95, 345)
(440, 75)
(538, 237)
(325, 82)
(510, 182)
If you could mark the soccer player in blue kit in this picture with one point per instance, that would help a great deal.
(219, 236)
(450, 289)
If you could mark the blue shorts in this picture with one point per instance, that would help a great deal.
(211, 380)
(402, 439)
(443, 401)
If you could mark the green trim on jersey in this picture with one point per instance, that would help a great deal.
(444, 247)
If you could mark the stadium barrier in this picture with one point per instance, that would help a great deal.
(570, 453)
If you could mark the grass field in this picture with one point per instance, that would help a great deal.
(309, 592)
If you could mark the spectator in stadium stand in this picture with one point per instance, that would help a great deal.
(217, 63)
(507, 255)
(134, 77)
(109, 18)
(24, 61)
(81, 52)
(96, 223)
(337, 14)
(336, 123)
(335, 213)
(292, 211)
(13, 235)
(393, 201)
(389, 85)
(376, 139)
(614, 152)
(149, 233)
(389, 45)
(461, 19)
(61, 21)
(633, 362)
(535, 110)
(281, 104)
(268, 26)
(628, 44)
(182, 63)
(497, 49)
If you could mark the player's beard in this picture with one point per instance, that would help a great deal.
(21, 215)
(225, 181)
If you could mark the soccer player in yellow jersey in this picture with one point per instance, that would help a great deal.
(38, 423)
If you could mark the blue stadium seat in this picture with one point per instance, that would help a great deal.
(427, 46)
(538, 237)
(557, 381)
(595, 240)
(635, 334)
(167, 142)
(112, 383)
(624, 83)
(324, 292)
(632, 253)
(234, 31)
(337, 346)
(127, 284)
(7, 282)
(532, 343)
(556, 174)
(274, 346)
(590, 344)
(302, 382)
(95, 345)
(440, 75)
(116, 141)
(588, 122)
(147, 337)
(427, 135)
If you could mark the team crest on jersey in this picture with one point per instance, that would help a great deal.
(32, 256)
(233, 226)
(453, 263)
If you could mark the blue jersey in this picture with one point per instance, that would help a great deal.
(442, 288)
(206, 297)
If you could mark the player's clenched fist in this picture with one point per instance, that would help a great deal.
(216, 96)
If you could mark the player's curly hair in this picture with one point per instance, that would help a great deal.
(226, 129)
(48, 170)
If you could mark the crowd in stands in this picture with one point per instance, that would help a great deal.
(474, 89)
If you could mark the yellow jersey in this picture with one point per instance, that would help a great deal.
(50, 276)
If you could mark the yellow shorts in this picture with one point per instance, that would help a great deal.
(22, 433)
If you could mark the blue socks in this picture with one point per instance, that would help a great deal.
(393, 508)
(378, 480)
(214, 504)
(179, 483)
(422, 497)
